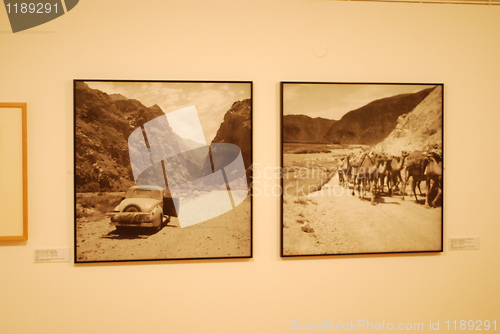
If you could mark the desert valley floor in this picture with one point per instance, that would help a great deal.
(332, 221)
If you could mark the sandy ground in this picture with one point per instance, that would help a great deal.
(228, 235)
(332, 221)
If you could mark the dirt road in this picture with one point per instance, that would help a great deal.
(332, 221)
(227, 235)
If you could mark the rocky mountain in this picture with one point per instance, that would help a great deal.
(116, 97)
(305, 129)
(420, 129)
(102, 127)
(373, 122)
(103, 124)
(236, 128)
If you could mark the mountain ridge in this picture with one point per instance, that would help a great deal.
(421, 129)
(103, 124)
(299, 128)
(373, 122)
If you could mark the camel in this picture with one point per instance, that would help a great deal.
(397, 165)
(434, 179)
(367, 175)
(352, 169)
(343, 169)
(414, 168)
(384, 172)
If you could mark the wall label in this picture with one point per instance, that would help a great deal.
(466, 243)
(51, 255)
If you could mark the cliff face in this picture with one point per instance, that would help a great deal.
(305, 129)
(372, 123)
(421, 129)
(103, 124)
(236, 128)
(102, 127)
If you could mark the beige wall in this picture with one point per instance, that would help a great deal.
(266, 42)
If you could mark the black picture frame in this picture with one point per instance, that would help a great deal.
(159, 171)
(343, 138)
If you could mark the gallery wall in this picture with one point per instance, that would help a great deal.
(265, 42)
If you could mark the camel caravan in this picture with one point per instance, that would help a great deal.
(377, 174)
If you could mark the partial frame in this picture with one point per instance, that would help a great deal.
(362, 168)
(162, 170)
(13, 172)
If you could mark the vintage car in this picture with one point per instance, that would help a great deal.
(143, 206)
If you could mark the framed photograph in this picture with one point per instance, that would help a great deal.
(362, 168)
(162, 170)
(13, 172)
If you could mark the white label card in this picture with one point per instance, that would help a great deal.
(464, 243)
(51, 255)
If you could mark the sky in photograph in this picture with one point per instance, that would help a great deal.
(332, 101)
(212, 101)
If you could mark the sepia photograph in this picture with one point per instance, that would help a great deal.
(362, 168)
(162, 170)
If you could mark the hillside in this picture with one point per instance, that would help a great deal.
(102, 127)
(373, 122)
(236, 128)
(305, 129)
(103, 124)
(421, 129)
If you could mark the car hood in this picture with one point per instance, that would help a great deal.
(146, 204)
